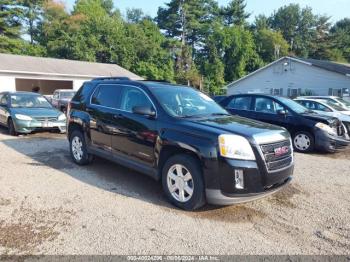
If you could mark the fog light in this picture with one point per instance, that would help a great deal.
(239, 179)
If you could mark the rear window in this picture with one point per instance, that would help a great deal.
(84, 93)
(107, 95)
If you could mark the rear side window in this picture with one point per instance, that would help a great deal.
(107, 95)
(240, 103)
(84, 93)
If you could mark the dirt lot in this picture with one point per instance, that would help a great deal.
(48, 205)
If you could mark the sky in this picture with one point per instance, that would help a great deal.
(337, 9)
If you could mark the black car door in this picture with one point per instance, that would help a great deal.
(240, 105)
(137, 133)
(103, 112)
(270, 111)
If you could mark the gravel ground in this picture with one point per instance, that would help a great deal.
(48, 205)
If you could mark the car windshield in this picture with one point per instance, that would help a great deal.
(186, 102)
(67, 95)
(29, 101)
(347, 103)
(335, 106)
(296, 107)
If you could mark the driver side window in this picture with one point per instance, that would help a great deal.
(133, 97)
(323, 108)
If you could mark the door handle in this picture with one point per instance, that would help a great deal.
(89, 110)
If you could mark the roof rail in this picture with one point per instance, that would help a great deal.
(111, 78)
(154, 80)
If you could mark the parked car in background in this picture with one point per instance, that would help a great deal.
(335, 99)
(309, 130)
(328, 108)
(61, 98)
(180, 136)
(24, 112)
(218, 99)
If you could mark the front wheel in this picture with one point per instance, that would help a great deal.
(303, 142)
(183, 183)
(11, 128)
(78, 149)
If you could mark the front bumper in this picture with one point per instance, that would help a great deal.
(258, 183)
(26, 127)
(216, 197)
(328, 143)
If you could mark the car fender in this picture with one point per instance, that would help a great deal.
(205, 148)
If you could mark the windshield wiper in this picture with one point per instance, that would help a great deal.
(220, 114)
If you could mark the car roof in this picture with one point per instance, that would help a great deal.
(257, 94)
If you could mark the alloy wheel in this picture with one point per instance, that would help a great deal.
(180, 183)
(77, 148)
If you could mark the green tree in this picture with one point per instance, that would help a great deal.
(32, 12)
(10, 19)
(234, 13)
(297, 26)
(340, 40)
(270, 45)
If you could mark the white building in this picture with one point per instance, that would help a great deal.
(23, 73)
(292, 77)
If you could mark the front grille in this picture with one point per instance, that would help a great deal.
(46, 119)
(274, 159)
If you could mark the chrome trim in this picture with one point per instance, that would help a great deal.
(261, 153)
(119, 109)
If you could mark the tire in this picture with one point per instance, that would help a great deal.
(303, 142)
(78, 149)
(11, 128)
(194, 182)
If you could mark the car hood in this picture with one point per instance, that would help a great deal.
(36, 112)
(254, 131)
(320, 118)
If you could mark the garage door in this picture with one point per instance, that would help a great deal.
(47, 87)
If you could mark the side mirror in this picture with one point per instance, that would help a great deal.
(282, 112)
(144, 111)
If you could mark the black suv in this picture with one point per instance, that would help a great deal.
(308, 129)
(180, 136)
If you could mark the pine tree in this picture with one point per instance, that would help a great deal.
(234, 13)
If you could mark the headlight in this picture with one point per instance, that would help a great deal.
(62, 117)
(23, 117)
(326, 128)
(236, 147)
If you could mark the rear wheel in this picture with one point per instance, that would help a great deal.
(11, 128)
(303, 142)
(183, 182)
(78, 149)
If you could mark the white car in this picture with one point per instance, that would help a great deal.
(328, 108)
(334, 99)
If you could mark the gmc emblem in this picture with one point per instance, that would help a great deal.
(281, 151)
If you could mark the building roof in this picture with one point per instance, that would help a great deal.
(60, 67)
(329, 65)
(335, 67)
